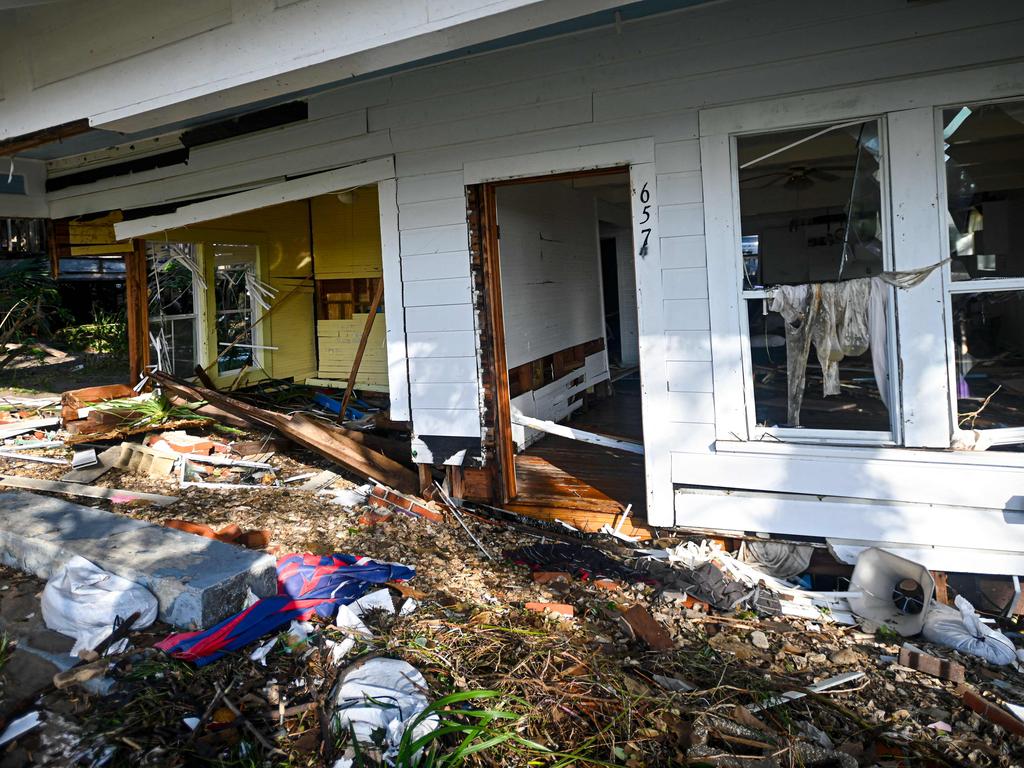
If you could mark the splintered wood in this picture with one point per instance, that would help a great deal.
(332, 442)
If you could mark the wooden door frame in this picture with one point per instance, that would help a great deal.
(504, 479)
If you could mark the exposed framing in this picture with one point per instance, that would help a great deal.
(531, 169)
(380, 172)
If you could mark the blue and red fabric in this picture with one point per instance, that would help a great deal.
(306, 584)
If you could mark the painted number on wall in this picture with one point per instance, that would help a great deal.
(645, 217)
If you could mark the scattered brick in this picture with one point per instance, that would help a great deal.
(385, 498)
(551, 577)
(944, 669)
(608, 584)
(647, 628)
(562, 608)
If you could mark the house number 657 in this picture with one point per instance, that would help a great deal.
(645, 199)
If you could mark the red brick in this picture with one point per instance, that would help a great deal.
(561, 608)
(608, 584)
(548, 577)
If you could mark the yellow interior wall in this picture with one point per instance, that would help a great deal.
(346, 244)
(282, 232)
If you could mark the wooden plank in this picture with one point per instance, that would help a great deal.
(378, 294)
(505, 477)
(330, 441)
(15, 144)
(137, 306)
(91, 491)
(582, 435)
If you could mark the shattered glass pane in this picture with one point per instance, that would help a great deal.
(812, 211)
(988, 337)
(984, 152)
(234, 315)
(172, 306)
(812, 250)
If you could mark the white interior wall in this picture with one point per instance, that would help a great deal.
(646, 80)
(550, 269)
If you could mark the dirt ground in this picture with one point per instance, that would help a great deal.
(584, 690)
(56, 371)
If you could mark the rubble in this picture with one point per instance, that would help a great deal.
(590, 648)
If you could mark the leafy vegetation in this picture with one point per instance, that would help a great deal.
(29, 303)
(150, 412)
(107, 335)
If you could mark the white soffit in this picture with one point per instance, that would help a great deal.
(324, 183)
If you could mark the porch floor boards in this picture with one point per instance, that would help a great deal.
(582, 484)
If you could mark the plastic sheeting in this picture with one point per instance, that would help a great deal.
(81, 600)
(381, 698)
(962, 630)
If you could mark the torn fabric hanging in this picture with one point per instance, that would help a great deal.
(840, 320)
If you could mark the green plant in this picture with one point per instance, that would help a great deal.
(6, 649)
(106, 335)
(28, 302)
(150, 412)
(462, 733)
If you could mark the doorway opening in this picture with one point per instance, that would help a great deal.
(562, 291)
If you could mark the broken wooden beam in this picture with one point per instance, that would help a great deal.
(328, 440)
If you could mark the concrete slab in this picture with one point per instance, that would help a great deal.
(197, 581)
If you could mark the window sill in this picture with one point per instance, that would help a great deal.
(871, 453)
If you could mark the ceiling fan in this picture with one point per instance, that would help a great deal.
(798, 177)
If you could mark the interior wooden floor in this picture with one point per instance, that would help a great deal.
(587, 485)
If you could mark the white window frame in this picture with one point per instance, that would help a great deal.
(997, 436)
(837, 436)
(917, 235)
(255, 311)
(198, 299)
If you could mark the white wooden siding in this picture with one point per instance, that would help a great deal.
(562, 102)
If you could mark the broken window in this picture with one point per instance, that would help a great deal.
(235, 278)
(984, 164)
(812, 248)
(174, 279)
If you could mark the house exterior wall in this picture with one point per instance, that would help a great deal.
(560, 101)
(134, 64)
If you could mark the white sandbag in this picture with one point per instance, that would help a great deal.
(383, 695)
(82, 601)
(962, 630)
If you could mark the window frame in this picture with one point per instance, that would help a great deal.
(818, 436)
(917, 232)
(255, 311)
(996, 436)
(197, 301)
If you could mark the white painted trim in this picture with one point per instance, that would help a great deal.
(583, 158)
(989, 459)
(722, 241)
(394, 302)
(350, 176)
(919, 240)
(650, 302)
(833, 106)
(956, 559)
(837, 517)
(563, 430)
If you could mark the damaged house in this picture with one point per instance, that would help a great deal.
(749, 268)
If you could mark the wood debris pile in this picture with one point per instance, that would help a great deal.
(591, 668)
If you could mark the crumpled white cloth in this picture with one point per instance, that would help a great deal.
(840, 320)
(383, 695)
